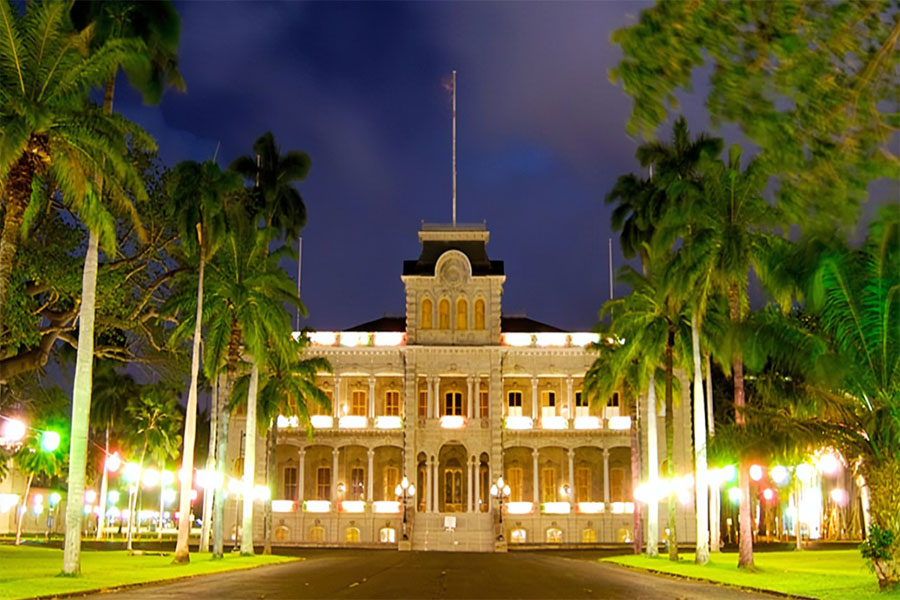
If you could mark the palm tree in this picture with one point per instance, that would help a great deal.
(199, 193)
(155, 422)
(35, 461)
(287, 387)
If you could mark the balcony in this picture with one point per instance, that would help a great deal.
(556, 508)
(453, 422)
(620, 423)
(591, 508)
(388, 422)
(353, 422)
(353, 506)
(386, 507)
(554, 423)
(283, 506)
(519, 508)
(322, 421)
(588, 422)
(519, 423)
(317, 506)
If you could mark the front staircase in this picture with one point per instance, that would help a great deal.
(474, 532)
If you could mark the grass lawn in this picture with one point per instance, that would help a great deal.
(26, 572)
(826, 574)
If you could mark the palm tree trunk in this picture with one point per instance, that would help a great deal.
(883, 483)
(182, 547)
(745, 552)
(23, 509)
(132, 508)
(159, 525)
(670, 445)
(715, 528)
(250, 462)
(209, 492)
(271, 446)
(18, 195)
(81, 408)
(702, 490)
(652, 472)
(635, 436)
(798, 539)
(221, 449)
(104, 487)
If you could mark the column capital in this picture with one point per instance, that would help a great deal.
(535, 380)
(336, 451)
(301, 452)
(337, 376)
(370, 452)
(371, 379)
(535, 452)
(605, 453)
(570, 380)
(571, 453)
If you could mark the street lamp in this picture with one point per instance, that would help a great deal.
(500, 491)
(405, 490)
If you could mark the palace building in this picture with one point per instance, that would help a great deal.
(452, 397)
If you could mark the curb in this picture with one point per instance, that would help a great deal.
(142, 584)
(746, 588)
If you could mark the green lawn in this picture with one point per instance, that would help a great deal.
(825, 574)
(26, 572)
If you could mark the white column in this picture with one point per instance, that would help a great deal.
(469, 486)
(434, 483)
(429, 390)
(490, 499)
(427, 490)
(606, 477)
(371, 400)
(477, 485)
(469, 399)
(336, 401)
(334, 478)
(570, 398)
(370, 475)
(572, 498)
(476, 402)
(491, 397)
(537, 492)
(535, 415)
(437, 397)
(301, 455)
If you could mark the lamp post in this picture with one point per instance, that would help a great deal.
(405, 490)
(500, 491)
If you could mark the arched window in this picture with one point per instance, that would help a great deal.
(387, 535)
(518, 536)
(479, 314)
(462, 314)
(351, 535)
(444, 314)
(317, 534)
(589, 536)
(554, 535)
(427, 312)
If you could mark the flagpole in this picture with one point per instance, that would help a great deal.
(454, 147)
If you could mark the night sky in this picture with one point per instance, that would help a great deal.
(360, 87)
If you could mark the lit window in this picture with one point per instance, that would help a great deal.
(514, 477)
(518, 536)
(317, 534)
(444, 314)
(351, 535)
(357, 487)
(462, 314)
(239, 466)
(391, 479)
(392, 403)
(358, 403)
(583, 484)
(548, 484)
(548, 404)
(614, 401)
(453, 403)
(479, 314)
(453, 489)
(589, 536)
(484, 401)
(315, 408)
(426, 316)
(323, 483)
(514, 404)
(290, 483)
(423, 404)
(617, 485)
(554, 535)
(387, 535)
(581, 405)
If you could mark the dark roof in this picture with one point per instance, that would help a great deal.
(526, 325)
(382, 324)
(473, 249)
(507, 325)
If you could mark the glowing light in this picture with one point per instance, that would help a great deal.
(322, 421)
(284, 422)
(169, 495)
(90, 496)
(548, 339)
(621, 508)
(756, 472)
(38, 499)
(780, 475)
(37, 509)
(283, 506)
(584, 339)
(235, 486)
(150, 478)
(355, 338)
(55, 498)
(620, 423)
(519, 340)
(316, 506)
(131, 472)
(389, 338)
(519, 508)
(768, 494)
(591, 508)
(13, 430)
(8, 501)
(113, 513)
(734, 494)
(353, 506)
(805, 472)
(207, 479)
(262, 492)
(386, 506)
(729, 473)
(840, 497)
(353, 422)
(556, 508)
(322, 338)
(554, 423)
(519, 423)
(588, 422)
(829, 464)
(167, 478)
(113, 462)
(193, 495)
(113, 496)
(388, 422)
(49, 441)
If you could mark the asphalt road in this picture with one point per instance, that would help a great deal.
(391, 574)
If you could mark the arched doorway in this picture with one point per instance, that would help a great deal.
(452, 478)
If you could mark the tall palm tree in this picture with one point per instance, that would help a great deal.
(199, 193)
(35, 461)
(155, 424)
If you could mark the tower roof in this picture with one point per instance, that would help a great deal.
(469, 238)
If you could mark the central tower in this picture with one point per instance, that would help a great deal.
(453, 290)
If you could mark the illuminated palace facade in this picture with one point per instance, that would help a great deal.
(451, 397)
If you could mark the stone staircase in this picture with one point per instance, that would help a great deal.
(473, 533)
